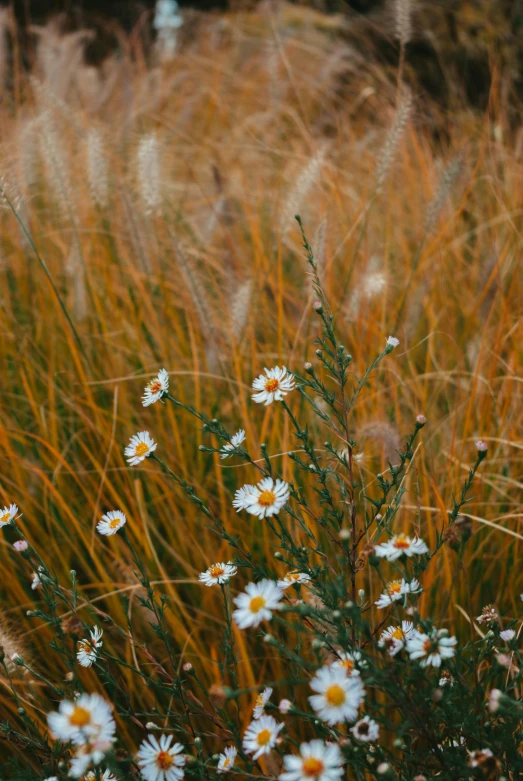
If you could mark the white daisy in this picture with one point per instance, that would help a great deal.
(273, 386)
(159, 761)
(392, 342)
(87, 719)
(481, 446)
(293, 579)
(317, 762)
(265, 499)
(400, 545)
(366, 729)
(507, 635)
(87, 652)
(261, 736)
(431, 649)
(217, 574)
(156, 388)
(106, 776)
(338, 695)
(230, 447)
(140, 446)
(256, 604)
(348, 661)
(111, 522)
(7, 514)
(89, 754)
(261, 701)
(396, 589)
(394, 638)
(227, 759)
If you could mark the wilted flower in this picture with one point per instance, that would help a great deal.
(159, 761)
(484, 759)
(366, 729)
(489, 616)
(261, 736)
(229, 448)
(446, 679)
(256, 604)
(273, 386)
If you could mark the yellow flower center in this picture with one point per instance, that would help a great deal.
(312, 767)
(115, 522)
(257, 604)
(155, 386)
(80, 717)
(271, 385)
(216, 571)
(141, 449)
(397, 634)
(335, 695)
(4, 518)
(164, 760)
(263, 737)
(226, 762)
(259, 700)
(395, 587)
(292, 577)
(401, 542)
(266, 498)
(85, 646)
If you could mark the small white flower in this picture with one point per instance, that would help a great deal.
(90, 753)
(140, 446)
(87, 719)
(399, 545)
(159, 761)
(217, 574)
(261, 701)
(366, 729)
(507, 635)
(396, 590)
(111, 522)
(265, 499)
(317, 762)
(349, 661)
(395, 637)
(481, 446)
(88, 649)
(7, 514)
(36, 582)
(236, 440)
(156, 388)
(227, 759)
(431, 649)
(392, 342)
(256, 604)
(421, 419)
(20, 545)
(494, 698)
(293, 579)
(338, 696)
(106, 776)
(284, 706)
(273, 386)
(261, 736)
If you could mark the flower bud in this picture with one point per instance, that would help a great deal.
(383, 768)
(187, 667)
(309, 368)
(284, 706)
(151, 725)
(20, 545)
(421, 420)
(317, 306)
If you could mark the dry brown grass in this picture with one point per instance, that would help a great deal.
(251, 126)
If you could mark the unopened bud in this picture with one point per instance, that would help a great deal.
(317, 306)
(278, 555)
(187, 667)
(151, 725)
(309, 368)
(217, 695)
(20, 545)
(69, 676)
(421, 420)
(268, 639)
(383, 768)
(345, 534)
(284, 706)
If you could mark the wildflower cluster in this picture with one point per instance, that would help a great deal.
(373, 686)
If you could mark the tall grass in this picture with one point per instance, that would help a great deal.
(191, 261)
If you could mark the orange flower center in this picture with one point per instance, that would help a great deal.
(263, 737)
(226, 762)
(266, 498)
(155, 386)
(335, 695)
(395, 587)
(164, 760)
(401, 542)
(141, 449)
(427, 646)
(257, 604)
(115, 522)
(216, 571)
(292, 577)
(85, 645)
(312, 767)
(348, 664)
(80, 717)
(271, 385)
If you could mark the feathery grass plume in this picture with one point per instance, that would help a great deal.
(135, 233)
(77, 287)
(445, 184)
(392, 142)
(402, 18)
(371, 284)
(54, 155)
(97, 169)
(384, 435)
(318, 248)
(298, 195)
(148, 166)
(240, 308)
(28, 153)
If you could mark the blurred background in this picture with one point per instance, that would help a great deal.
(156, 155)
